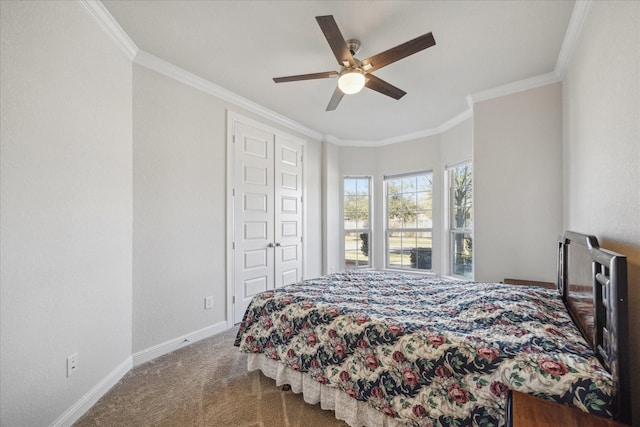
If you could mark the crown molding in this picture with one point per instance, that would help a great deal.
(403, 138)
(110, 26)
(579, 15)
(161, 66)
(514, 87)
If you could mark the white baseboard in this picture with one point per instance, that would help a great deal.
(176, 343)
(74, 413)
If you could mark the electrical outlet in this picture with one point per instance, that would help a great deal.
(72, 364)
(208, 302)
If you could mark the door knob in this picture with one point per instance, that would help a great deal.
(270, 245)
(277, 243)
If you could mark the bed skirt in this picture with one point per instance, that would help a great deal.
(346, 408)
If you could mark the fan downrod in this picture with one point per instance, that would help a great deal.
(353, 45)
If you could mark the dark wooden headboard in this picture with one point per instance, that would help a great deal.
(596, 298)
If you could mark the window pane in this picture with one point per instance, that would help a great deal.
(409, 201)
(424, 183)
(356, 250)
(350, 212)
(362, 223)
(363, 187)
(424, 200)
(424, 219)
(362, 212)
(394, 250)
(362, 204)
(461, 218)
(408, 220)
(395, 219)
(409, 250)
(349, 186)
(394, 186)
(462, 246)
(409, 184)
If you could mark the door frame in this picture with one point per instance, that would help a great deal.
(232, 118)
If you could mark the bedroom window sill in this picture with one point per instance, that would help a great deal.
(456, 278)
(414, 272)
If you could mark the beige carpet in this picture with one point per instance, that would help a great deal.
(203, 384)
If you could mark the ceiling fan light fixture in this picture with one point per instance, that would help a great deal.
(351, 81)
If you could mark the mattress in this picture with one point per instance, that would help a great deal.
(424, 351)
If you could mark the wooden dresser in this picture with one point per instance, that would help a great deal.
(526, 410)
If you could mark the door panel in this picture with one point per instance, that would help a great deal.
(253, 215)
(288, 214)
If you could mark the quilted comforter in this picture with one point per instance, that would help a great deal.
(426, 351)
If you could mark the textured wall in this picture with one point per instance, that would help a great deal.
(517, 159)
(601, 149)
(66, 208)
(179, 148)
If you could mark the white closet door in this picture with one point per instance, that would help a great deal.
(253, 215)
(288, 212)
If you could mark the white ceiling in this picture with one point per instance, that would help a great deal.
(242, 45)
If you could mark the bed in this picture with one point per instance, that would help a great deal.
(389, 349)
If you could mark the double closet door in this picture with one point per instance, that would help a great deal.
(267, 212)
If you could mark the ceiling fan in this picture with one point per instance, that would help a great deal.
(355, 74)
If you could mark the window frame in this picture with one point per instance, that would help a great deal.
(452, 229)
(368, 230)
(387, 230)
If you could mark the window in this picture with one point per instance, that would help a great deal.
(357, 224)
(461, 220)
(409, 222)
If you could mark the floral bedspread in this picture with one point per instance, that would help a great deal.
(427, 351)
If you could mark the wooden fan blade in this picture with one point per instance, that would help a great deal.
(383, 87)
(311, 76)
(399, 52)
(336, 41)
(335, 99)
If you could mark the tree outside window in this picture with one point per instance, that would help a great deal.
(409, 221)
(461, 220)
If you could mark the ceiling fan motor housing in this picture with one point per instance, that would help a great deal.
(353, 45)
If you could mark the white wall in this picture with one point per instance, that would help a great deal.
(456, 144)
(179, 213)
(517, 160)
(331, 191)
(66, 171)
(601, 150)
(313, 217)
(179, 146)
(427, 153)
